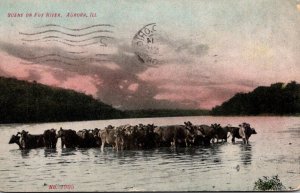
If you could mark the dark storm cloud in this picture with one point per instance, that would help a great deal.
(114, 87)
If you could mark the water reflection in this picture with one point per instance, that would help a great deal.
(50, 152)
(25, 153)
(68, 151)
(83, 151)
(148, 154)
(246, 154)
(210, 154)
(215, 153)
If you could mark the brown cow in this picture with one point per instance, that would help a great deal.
(208, 132)
(108, 136)
(175, 135)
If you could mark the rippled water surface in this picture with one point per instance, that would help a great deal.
(274, 150)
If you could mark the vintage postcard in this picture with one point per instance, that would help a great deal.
(170, 95)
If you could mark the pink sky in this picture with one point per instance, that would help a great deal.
(12, 67)
(205, 55)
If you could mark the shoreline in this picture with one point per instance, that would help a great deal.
(233, 116)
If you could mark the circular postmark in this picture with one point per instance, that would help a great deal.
(144, 44)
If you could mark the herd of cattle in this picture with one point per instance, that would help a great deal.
(135, 137)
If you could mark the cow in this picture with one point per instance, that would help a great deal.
(220, 132)
(50, 138)
(108, 137)
(193, 134)
(244, 131)
(83, 138)
(15, 139)
(150, 138)
(29, 141)
(69, 138)
(132, 136)
(208, 133)
(119, 135)
(95, 139)
(146, 137)
(199, 137)
(175, 135)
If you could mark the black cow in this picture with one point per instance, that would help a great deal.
(220, 132)
(95, 139)
(146, 137)
(83, 138)
(69, 138)
(244, 131)
(29, 141)
(15, 139)
(150, 137)
(50, 138)
(132, 136)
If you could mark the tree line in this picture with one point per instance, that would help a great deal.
(276, 99)
(31, 102)
(23, 102)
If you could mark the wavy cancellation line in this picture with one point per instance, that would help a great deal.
(79, 45)
(75, 29)
(60, 56)
(58, 31)
(53, 55)
(68, 40)
(59, 61)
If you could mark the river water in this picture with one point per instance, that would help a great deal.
(275, 150)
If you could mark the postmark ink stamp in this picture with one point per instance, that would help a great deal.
(145, 45)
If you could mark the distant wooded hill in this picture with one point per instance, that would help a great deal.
(26, 102)
(22, 101)
(31, 102)
(277, 99)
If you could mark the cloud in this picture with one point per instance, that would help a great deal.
(120, 87)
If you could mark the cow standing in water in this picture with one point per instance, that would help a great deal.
(244, 131)
(96, 140)
(15, 139)
(69, 138)
(176, 135)
(207, 133)
(29, 141)
(220, 132)
(108, 136)
(50, 138)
